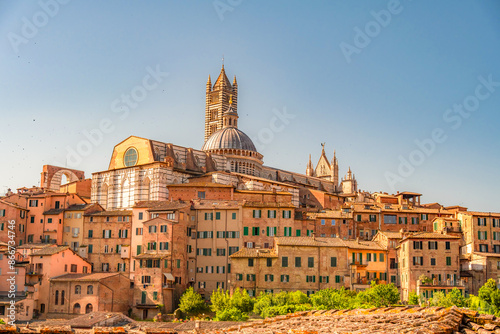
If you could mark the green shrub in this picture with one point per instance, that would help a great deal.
(231, 314)
(191, 302)
(378, 295)
(328, 299)
(413, 298)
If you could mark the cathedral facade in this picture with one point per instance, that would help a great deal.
(141, 169)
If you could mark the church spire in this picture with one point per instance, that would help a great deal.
(310, 168)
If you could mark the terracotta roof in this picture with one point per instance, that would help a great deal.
(50, 250)
(429, 235)
(80, 207)
(12, 204)
(310, 241)
(255, 252)
(111, 213)
(268, 205)
(355, 244)
(83, 277)
(477, 213)
(157, 220)
(391, 234)
(201, 184)
(265, 192)
(53, 212)
(208, 204)
(161, 205)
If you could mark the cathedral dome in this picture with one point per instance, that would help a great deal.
(229, 138)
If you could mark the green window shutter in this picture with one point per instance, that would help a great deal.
(268, 213)
(297, 233)
(479, 235)
(245, 230)
(400, 220)
(217, 215)
(267, 230)
(485, 235)
(353, 257)
(283, 213)
(406, 220)
(253, 213)
(139, 249)
(374, 257)
(381, 257)
(275, 230)
(165, 264)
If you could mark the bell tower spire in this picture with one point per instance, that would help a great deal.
(217, 101)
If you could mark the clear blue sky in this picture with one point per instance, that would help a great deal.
(368, 98)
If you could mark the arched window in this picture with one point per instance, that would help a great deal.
(62, 297)
(76, 308)
(78, 289)
(88, 308)
(90, 289)
(57, 297)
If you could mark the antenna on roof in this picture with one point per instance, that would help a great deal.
(222, 60)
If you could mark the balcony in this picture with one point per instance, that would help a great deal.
(435, 283)
(33, 270)
(359, 264)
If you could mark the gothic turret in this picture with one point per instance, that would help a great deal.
(310, 168)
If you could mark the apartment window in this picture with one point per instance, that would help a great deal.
(32, 219)
(483, 248)
(284, 261)
(269, 262)
(373, 218)
(448, 261)
(285, 278)
(245, 230)
(233, 250)
(163, 228)
(78, 289)
(310, 262)
(91, 234)
(49, 220)
(481, 221)
(239, 277)
(496, 222)
(209, 216)
(106, 234)
(217, 216)
(91, 249)
(233, 215)
(271, 231)
(287, 231)
(141, 215)
(369, 257)
(482, 235)
(178, 262)
(389, 219)
(152, 229)
(255, 230)
(323, 222)
(250, 262)
(424, 216)
(287, 214)
(164, 245)
(221, 252)
(271, 213)
(433, 261)
(298, 262)
(33, 203)
(139, 247)
(201, 194)
(256, 213)
(333, 262)
(310, 233)
(418, 260)
(2, 213)
(496, 249)
(269, 278)
(333, 222)
(358, 218)
(417, 245)
(433, 245)
(310, 279)
(448, 245)
(123, 234)
(250, 277)
(146, 279)
(298, 233)
(73, 268)
(151, 245)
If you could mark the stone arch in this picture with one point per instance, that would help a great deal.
(88, 308)
(77, 308)
(52, 176)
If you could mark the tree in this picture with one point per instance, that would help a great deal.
(487, 289)
(378, 295)
(191, 302)
(413, 298)
(328, 299)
